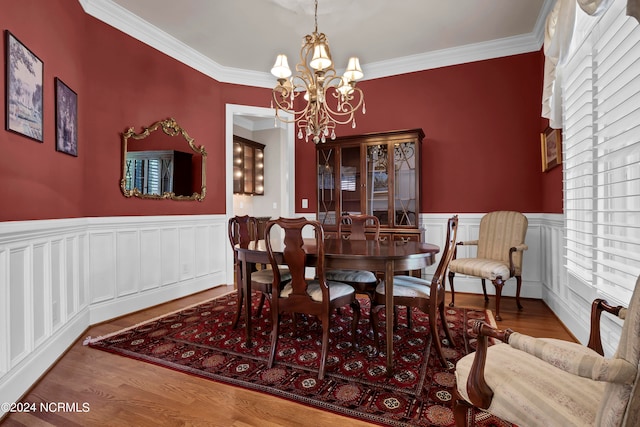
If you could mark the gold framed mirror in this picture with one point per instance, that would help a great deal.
(155, 165)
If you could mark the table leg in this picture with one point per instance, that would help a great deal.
(388, 310)
(246, 289)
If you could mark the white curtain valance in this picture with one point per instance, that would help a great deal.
(557, 40)
(594, 7)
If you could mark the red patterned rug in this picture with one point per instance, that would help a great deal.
(199, 340)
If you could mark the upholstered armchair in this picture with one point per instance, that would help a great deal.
(499, 257)
(548, 382)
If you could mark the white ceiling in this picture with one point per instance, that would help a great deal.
(237, 40)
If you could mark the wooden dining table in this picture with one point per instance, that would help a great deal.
(386, 256)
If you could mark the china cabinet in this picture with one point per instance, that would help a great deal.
(376, 174)
(248, 166)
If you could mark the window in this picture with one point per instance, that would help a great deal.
(601, 115)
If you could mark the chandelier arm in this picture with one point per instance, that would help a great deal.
(317, 80)
(347, 108)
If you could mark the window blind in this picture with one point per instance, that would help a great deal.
(601, 109)
(578, 160)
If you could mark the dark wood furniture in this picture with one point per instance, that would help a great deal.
(550, 381)
(242, 230)
(356, 227)
(318, 296)
(375, 174)
(248, 166)
(390, 256)
(428, 296)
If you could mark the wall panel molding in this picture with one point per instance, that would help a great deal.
(468, 229)
(58, 277)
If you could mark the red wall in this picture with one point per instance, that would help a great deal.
(481, 120)
(482, 124)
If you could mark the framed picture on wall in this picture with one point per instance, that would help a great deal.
(24, 80)
(551, 146)
(66, 119)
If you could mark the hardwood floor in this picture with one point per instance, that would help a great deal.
(125, 392)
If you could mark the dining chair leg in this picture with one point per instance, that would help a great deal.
(275, 331)
(261, 303)
(445, 325)
(374, 319)
(484, 290)
(518, 287)
(355, 307)
(499, 283)
(453, 292)
(435, 336)
(325, 345)
(234, 325)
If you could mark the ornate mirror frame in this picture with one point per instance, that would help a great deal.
(171, 128)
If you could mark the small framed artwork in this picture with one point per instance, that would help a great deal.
(66, 119)
(24, 80)
(551, 146)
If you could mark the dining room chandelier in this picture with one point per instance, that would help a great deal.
(328, 99)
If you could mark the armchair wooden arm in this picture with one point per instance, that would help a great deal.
(512, 250)
(479, 392)
(597, 307)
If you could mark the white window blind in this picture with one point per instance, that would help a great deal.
(578, 163)
(601, 109)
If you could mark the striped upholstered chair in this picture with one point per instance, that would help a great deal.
(548, 382)
(499, 257)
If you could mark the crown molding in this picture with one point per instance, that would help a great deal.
(118, 17)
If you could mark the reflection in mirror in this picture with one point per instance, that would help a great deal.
(157, 166)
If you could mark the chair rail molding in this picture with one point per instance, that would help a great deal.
(58, 277)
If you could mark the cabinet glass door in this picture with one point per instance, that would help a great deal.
(378, 182)
(350, 181)
(326, 187)
(405, 184)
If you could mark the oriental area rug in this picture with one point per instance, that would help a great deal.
(199, 340)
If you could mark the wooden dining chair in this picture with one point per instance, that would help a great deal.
(242, 230)
(427, 296)
(318, 297)
(355, 227)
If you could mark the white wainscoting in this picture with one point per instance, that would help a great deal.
(58, 277)
(544, 274)
(468, 229)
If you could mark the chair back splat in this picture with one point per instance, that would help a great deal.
(318, 296)
(356, 227)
